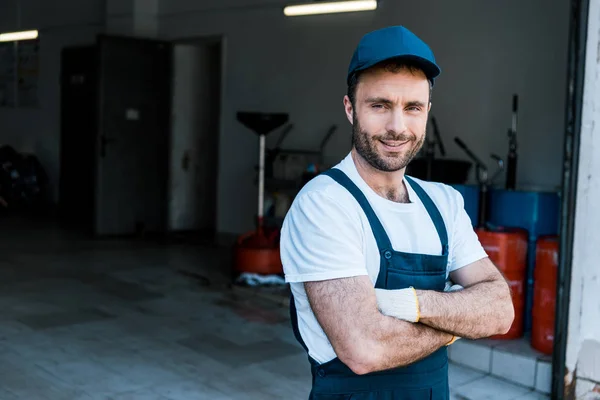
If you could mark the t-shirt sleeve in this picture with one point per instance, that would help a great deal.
(320, 241)
(466, 248)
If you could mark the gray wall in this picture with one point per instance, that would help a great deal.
(487, 50)
(61, 23)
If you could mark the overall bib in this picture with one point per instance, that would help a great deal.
(426, 379)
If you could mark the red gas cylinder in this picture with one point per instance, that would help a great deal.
(544, 294)
(507, 249)
(257, 252)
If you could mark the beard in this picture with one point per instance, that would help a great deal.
(366, 146)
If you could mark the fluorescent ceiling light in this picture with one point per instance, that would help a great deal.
(12, 36)
(332, 7)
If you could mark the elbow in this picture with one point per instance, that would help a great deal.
(501, 321)
(361, 359)
(360, 368)
(506, 317)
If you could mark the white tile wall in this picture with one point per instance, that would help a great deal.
(588, 364)
(585, 390)
(514, 361)
(472, 355)
(514, 367)
(543, 378)
(520, 346)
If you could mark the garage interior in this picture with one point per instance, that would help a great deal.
(119, 275)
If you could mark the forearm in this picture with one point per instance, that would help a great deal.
(479, 311)
(362, 337)
(399, 343)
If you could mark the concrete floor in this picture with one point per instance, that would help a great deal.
(131, 320)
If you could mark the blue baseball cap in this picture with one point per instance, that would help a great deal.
(393, 42)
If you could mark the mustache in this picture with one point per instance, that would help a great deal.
(393, 136)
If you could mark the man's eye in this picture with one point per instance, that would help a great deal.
(378, 106)
(414, 108)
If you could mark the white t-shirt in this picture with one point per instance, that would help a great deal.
(326, 235)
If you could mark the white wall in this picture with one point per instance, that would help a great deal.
(583, 340)
(61, 23)
(487, 50)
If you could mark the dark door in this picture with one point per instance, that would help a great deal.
(79, 92)
(133, 135)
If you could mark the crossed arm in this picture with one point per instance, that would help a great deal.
(366, 340)
(363, 338)
(484, 308)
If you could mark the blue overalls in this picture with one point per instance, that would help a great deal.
(426, 379)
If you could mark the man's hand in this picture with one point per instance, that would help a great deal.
(363, 338)
(403, 303)
(484, 308)
(399, 303)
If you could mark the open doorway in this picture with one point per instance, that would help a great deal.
(114, 135)
(195, 131)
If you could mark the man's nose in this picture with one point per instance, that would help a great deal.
(397, 122)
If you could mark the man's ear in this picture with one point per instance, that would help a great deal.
(348, 108)
(429, 108)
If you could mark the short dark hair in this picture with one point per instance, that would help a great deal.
(393, 65)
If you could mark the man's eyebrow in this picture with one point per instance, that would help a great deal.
(383, 100)
(378, 100)
(415, 104)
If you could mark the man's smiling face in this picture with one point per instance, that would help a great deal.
(389, 116)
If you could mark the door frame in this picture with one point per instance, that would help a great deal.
(574, 104)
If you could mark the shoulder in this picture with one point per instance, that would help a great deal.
(322, 235)
(325, 196)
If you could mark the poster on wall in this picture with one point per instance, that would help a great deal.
(19, 73)
(8, 75)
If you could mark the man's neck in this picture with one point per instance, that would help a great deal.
(388, 185)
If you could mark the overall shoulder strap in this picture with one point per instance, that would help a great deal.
(433, 212)
(383, 241)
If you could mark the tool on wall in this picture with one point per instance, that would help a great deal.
(278, 151)
(483, 179)
(511, 160)
(438, 169)
(438, 137)
(430, 148)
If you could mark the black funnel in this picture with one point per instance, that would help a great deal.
(262, 123)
